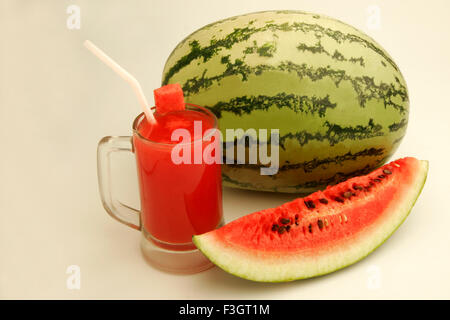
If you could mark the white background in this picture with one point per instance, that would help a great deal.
(57, 101)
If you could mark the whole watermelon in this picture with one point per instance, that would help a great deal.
(338, 99)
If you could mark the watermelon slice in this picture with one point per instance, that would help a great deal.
(321, 233)
(169, 98)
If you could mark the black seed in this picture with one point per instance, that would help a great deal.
(377, 180)
(288, 228)
(371, 183)
(381, 176)
(274, 227)
(347, 194)
(356, 187)
(338, 199)
(281, 229)
(320, 224)
(323, 200)
(310, 204)
(296, 217)
(285, 221)
(387, 171)
(296, 223)
(310, 228)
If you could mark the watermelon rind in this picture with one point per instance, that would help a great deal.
(257, 267)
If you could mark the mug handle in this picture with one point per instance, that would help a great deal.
(116, 209)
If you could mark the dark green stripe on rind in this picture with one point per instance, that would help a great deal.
(243, 34)
(365, 87)
(308, 185)
(398, 125)
(336, 178)
(205, 53)
(266, 50)
(247, 104)
(335, 134)
(309, 166)
(318, 48)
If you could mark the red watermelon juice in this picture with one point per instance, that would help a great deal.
(177, 200)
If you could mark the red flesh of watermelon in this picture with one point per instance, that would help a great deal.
(169, 98)
(320, 233)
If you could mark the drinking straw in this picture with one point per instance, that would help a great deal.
(125, 75)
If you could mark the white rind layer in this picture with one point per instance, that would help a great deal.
(300, 265)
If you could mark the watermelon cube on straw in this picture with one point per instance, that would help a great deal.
(169, 98)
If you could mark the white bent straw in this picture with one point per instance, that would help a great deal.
(125, 75)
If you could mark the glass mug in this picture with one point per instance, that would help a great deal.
(177, 200)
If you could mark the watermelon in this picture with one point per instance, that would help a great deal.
(320, 233)
(338, 98)
(169, 98)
